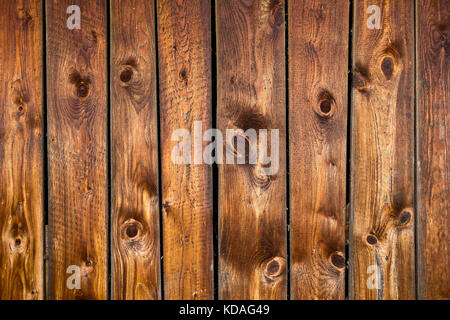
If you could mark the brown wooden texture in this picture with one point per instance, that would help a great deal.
(382, 186)
(251, 95)
(77, 151)
(433, 103)
(134, 152)
(185, 96)
(21, 150)
(318, 73)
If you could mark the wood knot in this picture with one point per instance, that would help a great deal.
(338, 260)
(371, 239)
(360, 78)
(131, 230)
(125, 75)
(81, 83)
(93, 36)
(87, 267)
(276, 13)
(183, 75)
(18, 245)
(82, 90)
(20, 100)
(442, 37)
(24, 15)
(320, 12)
(387, 66)
(405, 217)
(274, 268)
(326, 105)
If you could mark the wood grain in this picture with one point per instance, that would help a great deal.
(382, 177)
(21, 150)
(77, 109)
(318, 72)
(185, 96)
(433, 103)
(134, 152)
(251, 95)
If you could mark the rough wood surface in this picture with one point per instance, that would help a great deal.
(433, 103)
(382, 185)
(77, 153)
(251, 95)
(318, 73)
(134, 152)
(185, 96)
(21, 150)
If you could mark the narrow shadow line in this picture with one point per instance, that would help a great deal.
(108, 144)
(45, 152)
(348, 211)
(158, 122)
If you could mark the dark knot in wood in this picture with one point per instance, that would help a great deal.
(274, 268)
(132, 231)
(82, 90)
(371, 239)
(387, 66)
(126, 75)
(338, 260)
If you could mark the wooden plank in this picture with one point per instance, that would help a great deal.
(134, 152)
(77, 102)
(21, 150)
(382, 186)
(185, 97)
(318, 72)
(433, 101)
(251, 95)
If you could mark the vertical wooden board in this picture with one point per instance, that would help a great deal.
(21, 150)
(433, 102)
(185, 97)
(382, 187)
(77, 102)
(134, 152)
(318, 73)
(251, 95)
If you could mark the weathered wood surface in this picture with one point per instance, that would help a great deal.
(77, 150)
(21, 150)
(433, 106)
(382, 154)
(184, 47)
(389, 96)
(134, 152)
(251, 95)
(318, 71)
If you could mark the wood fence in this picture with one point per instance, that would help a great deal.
(93, 205)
